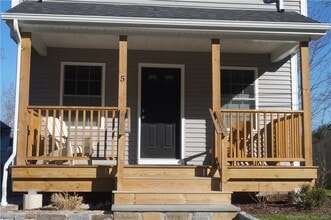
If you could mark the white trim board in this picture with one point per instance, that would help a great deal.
(182, 115)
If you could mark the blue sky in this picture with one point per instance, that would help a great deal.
(9, 50)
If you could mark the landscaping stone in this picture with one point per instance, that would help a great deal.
(201, 216)
(127, 216)
(51, 216)
(153, 216)
(177, 216)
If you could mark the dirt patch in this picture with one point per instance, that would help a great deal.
(275, 204)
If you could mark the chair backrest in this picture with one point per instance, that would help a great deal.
(58, 130)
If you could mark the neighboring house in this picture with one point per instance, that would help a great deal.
(5, 143)
(163, 102)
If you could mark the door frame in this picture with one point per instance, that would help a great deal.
(182, 115)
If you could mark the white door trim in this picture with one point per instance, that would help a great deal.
(182, 115)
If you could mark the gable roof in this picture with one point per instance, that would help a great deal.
(50, 21)
(138, 11)
(137, 19)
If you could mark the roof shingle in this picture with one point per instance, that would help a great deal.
(155, 12)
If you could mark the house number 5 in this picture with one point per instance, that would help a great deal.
(122, 79)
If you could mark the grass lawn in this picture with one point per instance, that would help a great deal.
(295, 216)
(328, 189)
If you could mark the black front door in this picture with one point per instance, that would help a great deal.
(160, 112)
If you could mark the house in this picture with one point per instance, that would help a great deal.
(5, 145)
(163, 102)
(5, 140)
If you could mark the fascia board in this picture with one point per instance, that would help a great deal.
(184, 24)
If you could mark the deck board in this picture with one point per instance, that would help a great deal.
(96, 178)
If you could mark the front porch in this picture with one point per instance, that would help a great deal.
(65, 147)
(76, 149)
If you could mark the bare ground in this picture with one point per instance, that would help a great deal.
(276, 204)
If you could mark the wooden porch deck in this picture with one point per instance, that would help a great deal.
(76, 149)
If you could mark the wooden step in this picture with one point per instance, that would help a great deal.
(165, 171)
(165, 183)
(170, 198)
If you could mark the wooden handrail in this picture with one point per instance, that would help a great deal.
(261, 111)
(218, 123)
(48, 107)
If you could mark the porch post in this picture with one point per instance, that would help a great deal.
(306, 105)
(216, 75)
(216, 90)
(24, 89)
(122, 99)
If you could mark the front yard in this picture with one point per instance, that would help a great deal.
(276, 207)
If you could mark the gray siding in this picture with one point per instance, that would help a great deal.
(293, 5)
(274, 82)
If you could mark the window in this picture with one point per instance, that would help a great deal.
(238, 88)
(82, 84)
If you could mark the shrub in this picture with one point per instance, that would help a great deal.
(65, 201)
(308, 197)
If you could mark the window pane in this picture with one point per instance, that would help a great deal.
(82, 85)
(83, 73)
(226, 76)
(249, 77)
(82, 88)
(70, 87)
(249, 90)
(95, 73)
(70, 72)
(95, 88)
(236, 77)
(238, 89)
(226, 89)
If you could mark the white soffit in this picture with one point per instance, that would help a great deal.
(162, 43)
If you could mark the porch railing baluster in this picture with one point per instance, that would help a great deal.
(78, 131)
(263, 137)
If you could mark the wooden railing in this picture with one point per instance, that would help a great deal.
(261, 138)
(60, 134)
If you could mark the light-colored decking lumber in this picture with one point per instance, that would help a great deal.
(194, 179)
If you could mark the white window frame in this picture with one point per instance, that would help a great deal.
(103, 76)
(256, 86)
(256, 83)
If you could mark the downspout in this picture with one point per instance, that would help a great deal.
(13, 155)
(279, 4)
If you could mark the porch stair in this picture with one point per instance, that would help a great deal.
(171, 185)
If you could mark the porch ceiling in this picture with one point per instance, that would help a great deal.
(277, 49)
(163, 43)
